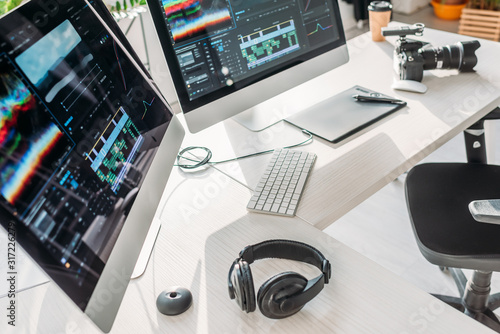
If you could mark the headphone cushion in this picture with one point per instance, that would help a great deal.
(248, 288)
(277, 288)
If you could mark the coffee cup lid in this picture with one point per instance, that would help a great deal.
(379, 6)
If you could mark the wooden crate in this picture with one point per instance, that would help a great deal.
(480, 23)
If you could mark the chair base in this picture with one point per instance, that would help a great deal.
(475, 301)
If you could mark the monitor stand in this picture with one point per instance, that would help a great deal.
(273, 110)
(264, 115)
(147, 248)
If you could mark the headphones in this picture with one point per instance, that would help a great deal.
(283, 294)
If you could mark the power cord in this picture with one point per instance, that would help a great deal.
(196, 163)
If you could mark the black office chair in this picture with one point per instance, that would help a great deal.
(438, 196)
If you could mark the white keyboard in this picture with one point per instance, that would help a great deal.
(280, 187)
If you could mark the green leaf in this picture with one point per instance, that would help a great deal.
(5, 6)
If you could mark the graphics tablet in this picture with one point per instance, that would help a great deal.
(340, 116)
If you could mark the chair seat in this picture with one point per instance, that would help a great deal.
(437, 196)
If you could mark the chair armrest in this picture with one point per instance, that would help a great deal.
(475, 144)
(486, 211)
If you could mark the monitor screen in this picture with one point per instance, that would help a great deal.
(226, 56)
(82, 161)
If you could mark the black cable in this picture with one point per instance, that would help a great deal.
(206, 160)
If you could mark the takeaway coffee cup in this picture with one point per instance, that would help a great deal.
(379, 15)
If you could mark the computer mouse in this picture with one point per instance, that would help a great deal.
(409, 86)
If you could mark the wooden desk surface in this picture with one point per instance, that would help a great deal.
(346, 174)
(205, 225)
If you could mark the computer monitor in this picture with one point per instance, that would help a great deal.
(228, 56)
(86, 146)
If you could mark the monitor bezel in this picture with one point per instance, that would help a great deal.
(120, 266)
(122, 261)
(140, 221)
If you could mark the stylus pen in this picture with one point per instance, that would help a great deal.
(365, 98)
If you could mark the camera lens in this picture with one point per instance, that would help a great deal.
(460, 56)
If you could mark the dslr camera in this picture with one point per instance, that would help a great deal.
(412, 57)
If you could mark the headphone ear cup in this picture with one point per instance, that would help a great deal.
(248, 304)
(278, 288)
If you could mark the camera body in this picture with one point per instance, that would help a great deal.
(412, 57)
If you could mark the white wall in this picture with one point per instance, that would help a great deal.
(347, 14)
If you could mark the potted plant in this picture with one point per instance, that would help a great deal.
(448, 9)
(125, 8)
(481, 18)
(5, 6)
(484, 4)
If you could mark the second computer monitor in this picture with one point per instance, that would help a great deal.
(227, 56)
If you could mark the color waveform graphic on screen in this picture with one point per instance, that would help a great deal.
(307, 5)
(190, 18)
(269, 44)
(18, 176)
(319, 28)
(17, 100)
(146, 105)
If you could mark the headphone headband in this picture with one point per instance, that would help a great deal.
(289, 250)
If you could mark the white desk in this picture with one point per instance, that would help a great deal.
(206, 223)
(200, 238)
(363, 164)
